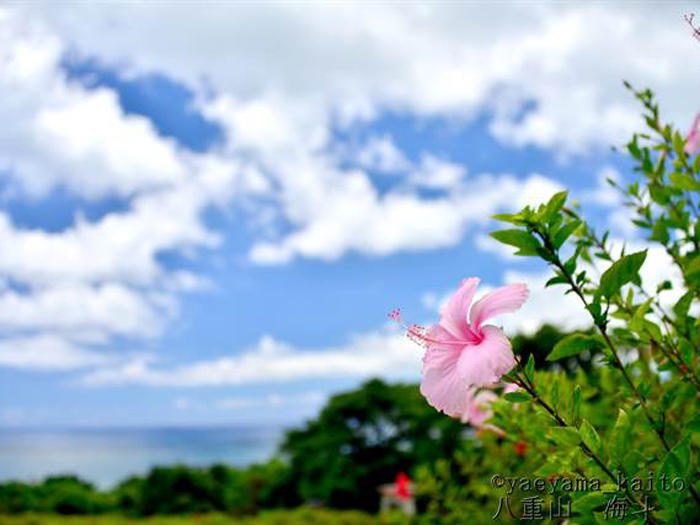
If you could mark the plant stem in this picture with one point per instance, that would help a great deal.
(556, 261)
(530, 389)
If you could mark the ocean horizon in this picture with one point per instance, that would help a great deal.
(106, 455)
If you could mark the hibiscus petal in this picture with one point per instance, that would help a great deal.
(479, 407)
(441, 384)
(484, 364)
(454, 313)
(500, 301)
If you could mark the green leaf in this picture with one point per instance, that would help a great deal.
(637, 321)
(670, 468)
(554, 205)
(653, 330)
(590, 501)
(682, 452)
(575, 403)
(683, 305)
(633, 462)
(564, 233)
(693, 426)
(589, 436)
(530, 367)
(557, 279)
(554, 395)
(684, 182)
(693, 267)
(623, 271)
(513, 218)
(517, 397)
(660, 232)
(620, 441)
(572, 345)
(521, 239)
(566, 436)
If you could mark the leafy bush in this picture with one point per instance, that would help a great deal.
(632, 413)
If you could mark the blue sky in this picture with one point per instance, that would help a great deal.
(212, 231)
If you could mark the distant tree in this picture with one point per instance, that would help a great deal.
(362, 439)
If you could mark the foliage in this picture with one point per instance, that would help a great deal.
(363, 438)
(633, 411)
(302, 516)
(165, 490)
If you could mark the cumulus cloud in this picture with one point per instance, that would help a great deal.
(381, 154)
(374, 353)
(436, 173)
(549, 80)
(356, 60)
(355, 217)
(62, 134)
(93, 281)
(47, 352)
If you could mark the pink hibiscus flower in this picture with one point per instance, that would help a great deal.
(479, 407)
(461, 351)
(692, 141)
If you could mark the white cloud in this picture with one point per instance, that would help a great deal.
(85, 312)
(488, 244)
(603, 194)
(348, 64)
(47, 352)
(546, 76)
(437, 173)
(544, 306)
(93, 280)
(64, 135)
(270, 361)
(355, 60)
(382, 155)
(354, 217)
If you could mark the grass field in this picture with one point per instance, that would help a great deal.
(295, 517)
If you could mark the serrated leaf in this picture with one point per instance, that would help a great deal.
(572, 345)
(624, 270)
